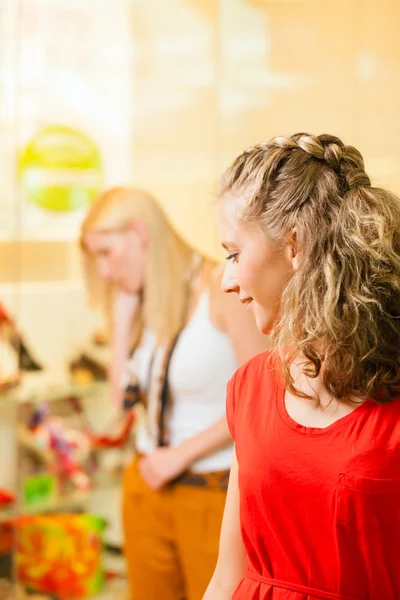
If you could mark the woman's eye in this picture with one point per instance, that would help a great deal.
(233, 257)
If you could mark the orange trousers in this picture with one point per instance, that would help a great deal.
(171, 538)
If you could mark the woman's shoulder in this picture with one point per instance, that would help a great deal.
(255, 379)
(385, 417)
(259, 368)
(250, 389)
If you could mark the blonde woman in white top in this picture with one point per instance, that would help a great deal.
(189, 338)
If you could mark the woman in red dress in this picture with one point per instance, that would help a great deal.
(313, 508)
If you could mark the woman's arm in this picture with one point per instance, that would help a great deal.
(231, 563)
(206, 442)
(124, 312)
(166, 463)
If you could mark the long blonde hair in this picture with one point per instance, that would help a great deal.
(169, 260)
(341, 308)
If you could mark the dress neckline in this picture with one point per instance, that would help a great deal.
(365, 405)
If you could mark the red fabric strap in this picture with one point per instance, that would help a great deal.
(296, 587)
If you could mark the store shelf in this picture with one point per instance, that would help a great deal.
(114, 590)
(43, 387)
(75, 501)
(72, 502)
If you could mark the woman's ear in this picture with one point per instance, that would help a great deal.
(141, 230)
(295, 254)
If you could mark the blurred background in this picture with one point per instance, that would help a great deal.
(161, 94)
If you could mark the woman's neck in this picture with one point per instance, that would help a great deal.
(320, 409)
(310, 386)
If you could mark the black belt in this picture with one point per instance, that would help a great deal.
(217, 480)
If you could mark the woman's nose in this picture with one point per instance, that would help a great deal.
(104, 269)
(229, 283)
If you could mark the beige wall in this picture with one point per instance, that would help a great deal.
(331, 66)
(214, 77)
(177, 124)
(211, 77)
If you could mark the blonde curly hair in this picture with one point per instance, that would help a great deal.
(341, 308)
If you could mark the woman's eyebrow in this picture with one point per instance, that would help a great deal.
(227, 245)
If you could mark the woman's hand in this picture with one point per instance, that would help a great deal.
(165, 464)
(162, 466)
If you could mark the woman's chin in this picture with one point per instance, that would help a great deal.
(264, 324)
(263, 327)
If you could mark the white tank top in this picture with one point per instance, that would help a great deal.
(201, 365)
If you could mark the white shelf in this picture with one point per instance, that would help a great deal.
(42, 387)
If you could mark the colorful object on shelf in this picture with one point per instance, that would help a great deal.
(8, 382)
(7, 537)
(6, 497)
(60, 169)
(86, 370)
(105, 441)
(7, 547)
(100, 338)
(39, 489)
(124, 427)
(70, 446)
(26, 361)
(61, 554)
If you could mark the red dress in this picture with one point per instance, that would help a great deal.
(320, 508)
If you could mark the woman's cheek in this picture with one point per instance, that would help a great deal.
(246, 274)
